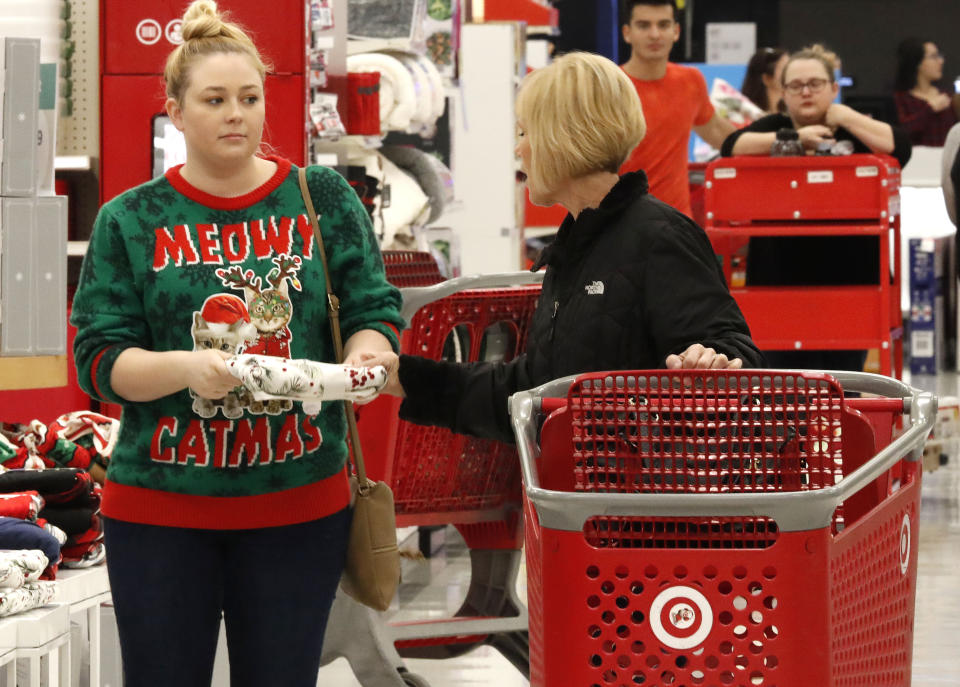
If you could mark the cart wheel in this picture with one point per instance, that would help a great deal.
(413, 680)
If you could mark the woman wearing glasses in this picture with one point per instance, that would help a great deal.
(926, 111)
(809, 89)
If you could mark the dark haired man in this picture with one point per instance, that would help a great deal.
(674, 99)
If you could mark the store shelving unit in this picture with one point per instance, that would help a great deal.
(538, 15)
(32, 372)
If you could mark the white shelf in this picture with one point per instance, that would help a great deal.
(37, 626)
(76, 585)
(536, 232)
(79, 163)
(545, 29)
(359, 45)
(77, 248)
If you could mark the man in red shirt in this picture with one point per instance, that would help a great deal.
(674, 100)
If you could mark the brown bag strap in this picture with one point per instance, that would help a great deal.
(333, 312)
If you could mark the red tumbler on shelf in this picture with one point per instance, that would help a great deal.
(363, 103)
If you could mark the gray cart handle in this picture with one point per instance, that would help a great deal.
(415, 297)
(793, 510)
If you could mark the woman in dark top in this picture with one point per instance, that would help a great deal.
(924, 110)
(809, 89)
(631, 283)
(762, 83)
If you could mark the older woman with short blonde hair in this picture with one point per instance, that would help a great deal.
(631, 283)
(567, 143)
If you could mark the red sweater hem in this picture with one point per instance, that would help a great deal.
(167, 509)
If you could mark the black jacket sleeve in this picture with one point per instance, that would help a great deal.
(467, 398)
(689, 301)
(902, 147)
(764, 125)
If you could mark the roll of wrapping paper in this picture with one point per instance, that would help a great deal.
(269, 377)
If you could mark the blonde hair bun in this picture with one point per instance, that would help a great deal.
(201, 20)
(817, 52)
(205, 32)
(828, 56)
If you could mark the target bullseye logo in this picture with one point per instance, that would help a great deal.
(904, 544)
(681, 617)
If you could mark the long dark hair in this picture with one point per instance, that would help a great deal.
(764, 61)
(910, 54)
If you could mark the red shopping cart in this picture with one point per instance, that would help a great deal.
(721, 528)
(441, 478)
(406, 268)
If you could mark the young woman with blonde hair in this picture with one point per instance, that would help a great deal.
(809, 91)
(216, 504)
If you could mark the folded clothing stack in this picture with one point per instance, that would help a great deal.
(20, 585)
(71, 504)
(23, 505)
(74, 440)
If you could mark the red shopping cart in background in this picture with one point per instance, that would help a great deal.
(441, 478)
(721, 528)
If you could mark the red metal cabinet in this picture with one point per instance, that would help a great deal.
(135, 36)
(857, 195)
(135, 41)
(753, 190)
(126, 148)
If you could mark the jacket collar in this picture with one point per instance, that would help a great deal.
(575, 234)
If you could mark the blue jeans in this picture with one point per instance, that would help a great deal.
(274, 587)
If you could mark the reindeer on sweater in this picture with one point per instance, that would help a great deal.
(270, 312)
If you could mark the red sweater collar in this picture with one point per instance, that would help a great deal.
(235, 202)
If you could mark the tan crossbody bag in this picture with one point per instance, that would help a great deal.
(372, 572)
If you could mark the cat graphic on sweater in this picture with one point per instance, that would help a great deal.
(223, 324)
(269, 311)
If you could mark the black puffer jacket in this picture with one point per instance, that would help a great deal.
(627, 284)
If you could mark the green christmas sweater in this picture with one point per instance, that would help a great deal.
(170, 267)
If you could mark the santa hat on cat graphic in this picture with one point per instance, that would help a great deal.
(223, 311)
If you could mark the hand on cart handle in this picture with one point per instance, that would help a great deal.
(389, 360)
(697, 356)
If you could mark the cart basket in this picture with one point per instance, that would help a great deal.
(749, 527)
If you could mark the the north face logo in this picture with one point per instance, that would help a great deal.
(594, 288)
